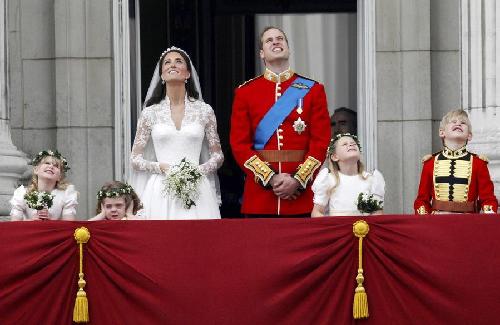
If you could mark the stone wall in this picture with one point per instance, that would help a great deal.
(404, 97)
(418, 80)
(61, 86)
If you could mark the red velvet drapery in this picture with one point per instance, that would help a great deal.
(418, 270)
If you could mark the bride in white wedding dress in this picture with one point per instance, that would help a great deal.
(176, 124)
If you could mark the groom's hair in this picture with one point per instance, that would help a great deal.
(268, 28)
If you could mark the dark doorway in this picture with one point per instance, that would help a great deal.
(220, 37)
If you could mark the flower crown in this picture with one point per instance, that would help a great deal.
(56, 154)
(331, 146)
(174, 48)
(116, 192)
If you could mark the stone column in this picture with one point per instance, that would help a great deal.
(480, 32)
(12, 161)
(84, 95)
(404, 111)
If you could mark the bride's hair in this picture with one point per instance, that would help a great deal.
(159, 91)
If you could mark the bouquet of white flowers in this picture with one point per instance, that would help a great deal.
(182, 182)
(368, 204)
(38, 200)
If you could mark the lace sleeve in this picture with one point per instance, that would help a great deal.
(216, 156)
(142, 136)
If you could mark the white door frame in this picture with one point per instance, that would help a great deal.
(367, 82)
(121, 56)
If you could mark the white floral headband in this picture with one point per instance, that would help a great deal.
(56, 154)
(115, 192)
(331, 146)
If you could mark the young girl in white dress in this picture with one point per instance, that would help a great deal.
(176, 125)
(49, 169)
(336, 188)
(118, 201)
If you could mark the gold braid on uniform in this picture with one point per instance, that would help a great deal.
(260, 169)
(306, 170)
(422, 210)
(488, 209)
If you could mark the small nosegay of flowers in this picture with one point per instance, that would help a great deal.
(368, 204)
(38, 200)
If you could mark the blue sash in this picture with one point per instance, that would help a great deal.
(280, 110)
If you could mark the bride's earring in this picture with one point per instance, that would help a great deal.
(162, 81)
(185, 81)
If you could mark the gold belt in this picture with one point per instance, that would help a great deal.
(282, 155)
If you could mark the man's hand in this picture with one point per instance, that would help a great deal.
(276, 180)
(285, 186)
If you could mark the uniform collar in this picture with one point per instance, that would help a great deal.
(274, 77)
(453, 154)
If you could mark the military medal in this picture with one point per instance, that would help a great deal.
(299, 126)
(299, 107)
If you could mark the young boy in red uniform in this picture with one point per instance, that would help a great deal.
(454, 180)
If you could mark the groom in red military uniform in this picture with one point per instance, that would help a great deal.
(280, 130)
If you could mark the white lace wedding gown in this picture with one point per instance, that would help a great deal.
(170, 146)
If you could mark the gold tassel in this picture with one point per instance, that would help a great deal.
(81, 310)
(360, 305)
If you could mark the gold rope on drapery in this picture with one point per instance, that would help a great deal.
(81, 310)
(360, 306)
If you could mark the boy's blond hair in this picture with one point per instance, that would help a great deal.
(457, 113)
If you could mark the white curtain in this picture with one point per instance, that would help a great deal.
(323, 47)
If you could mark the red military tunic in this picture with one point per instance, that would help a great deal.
(457, 178)
(251, 102)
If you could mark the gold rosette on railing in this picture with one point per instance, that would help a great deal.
(360, 306)
(81, 310)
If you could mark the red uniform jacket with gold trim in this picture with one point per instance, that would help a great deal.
(480, 191)
(251, 102)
